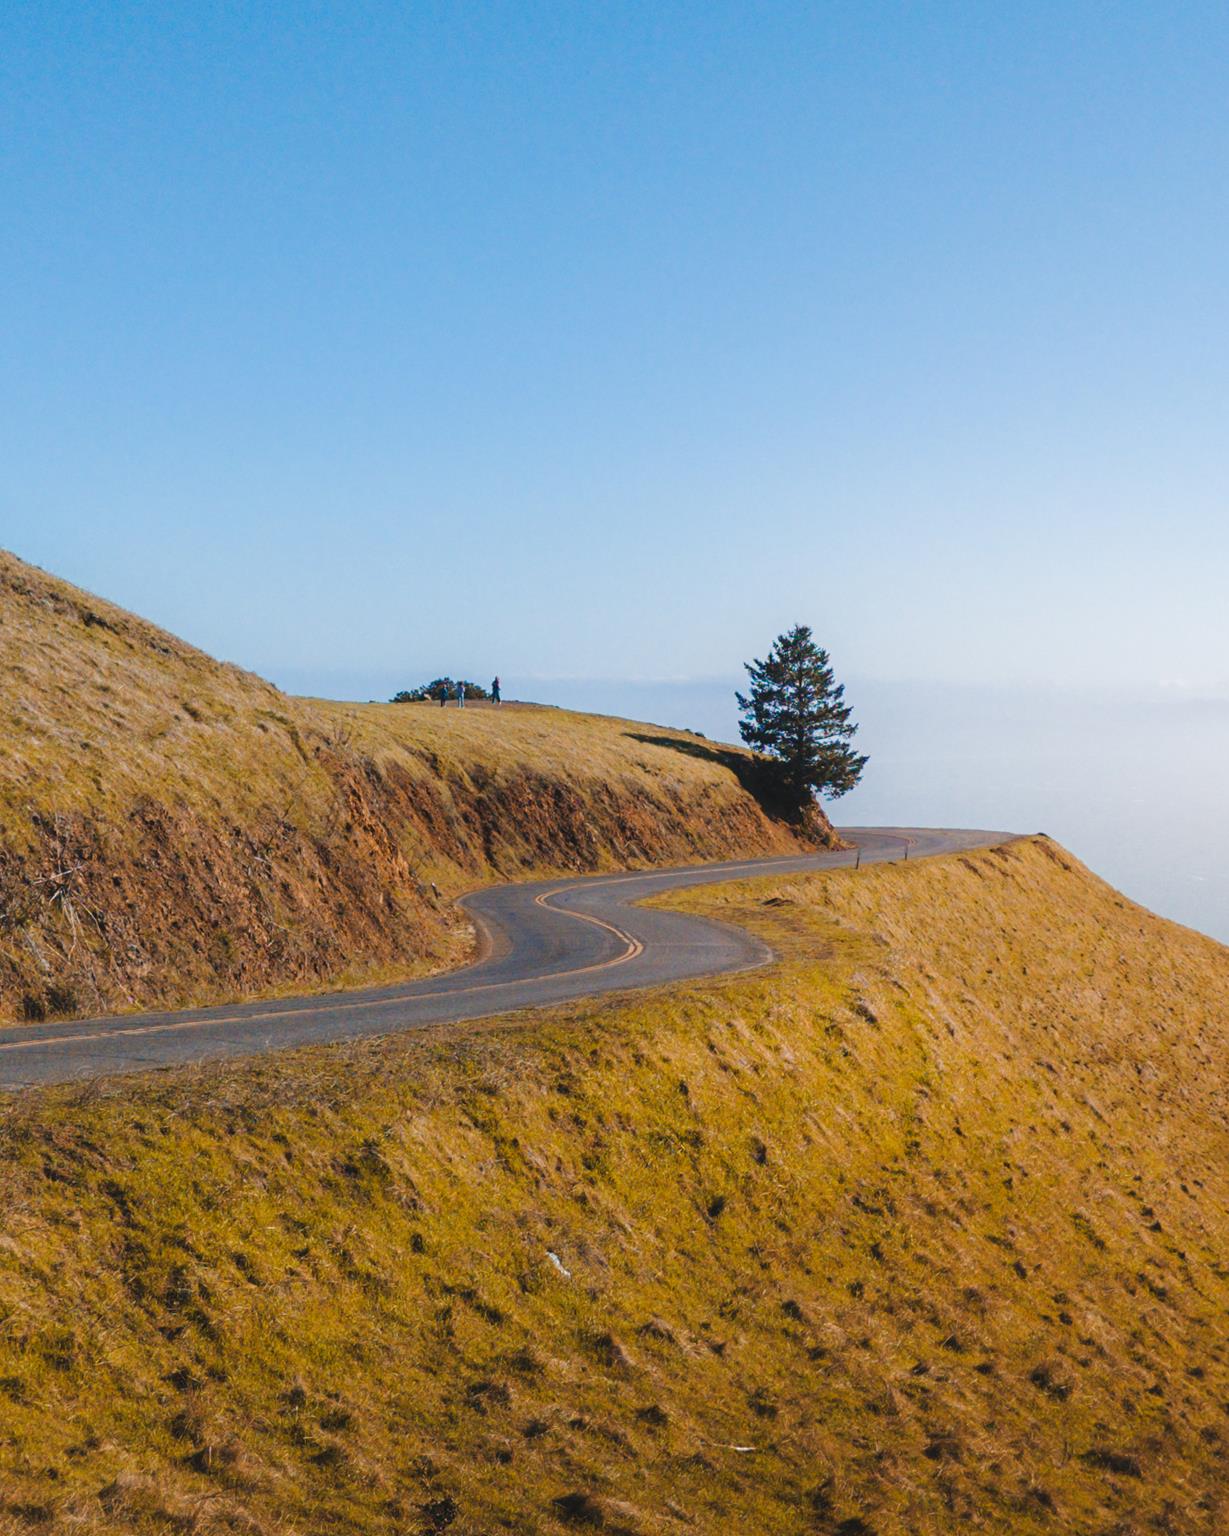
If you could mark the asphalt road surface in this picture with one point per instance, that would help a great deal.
(543, 943)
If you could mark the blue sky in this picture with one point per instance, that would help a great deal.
(357, 342)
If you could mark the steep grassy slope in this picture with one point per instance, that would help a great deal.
(923, 1231)
(173, 829)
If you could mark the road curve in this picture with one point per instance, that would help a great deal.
(543, 943)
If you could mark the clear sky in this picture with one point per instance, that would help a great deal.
(364, 340)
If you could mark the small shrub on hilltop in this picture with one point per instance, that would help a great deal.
(430, 692)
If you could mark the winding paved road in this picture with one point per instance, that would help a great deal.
(544, 943)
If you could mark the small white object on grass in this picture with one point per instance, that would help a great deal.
(558, 1263)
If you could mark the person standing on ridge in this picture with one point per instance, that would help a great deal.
(460, 695)
(442, 695)
(495, 694)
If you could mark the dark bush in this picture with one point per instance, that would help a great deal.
(428, 693)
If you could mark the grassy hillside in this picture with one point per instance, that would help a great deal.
(173, 829)
(925, 1230)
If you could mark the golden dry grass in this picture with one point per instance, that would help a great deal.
(922, 1230)
(174, 830)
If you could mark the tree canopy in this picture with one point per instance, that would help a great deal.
(430, 692)
(795, 714)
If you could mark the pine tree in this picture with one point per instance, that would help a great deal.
(796, 715)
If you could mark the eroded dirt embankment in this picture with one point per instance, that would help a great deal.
(175, 830)
(923, 1231)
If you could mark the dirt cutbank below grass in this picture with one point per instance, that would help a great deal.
(925, 1230)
